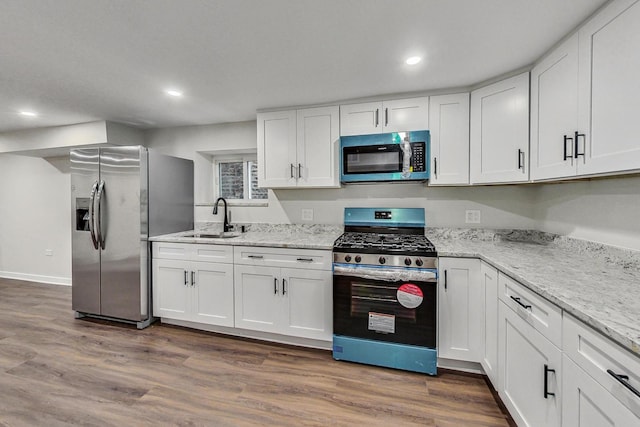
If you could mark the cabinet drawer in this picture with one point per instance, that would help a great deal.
(543, 315)
(283, 257)
(596, 354)
(193, 252)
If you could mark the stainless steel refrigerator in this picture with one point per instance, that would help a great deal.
(120, 197)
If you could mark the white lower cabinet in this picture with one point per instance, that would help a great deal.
(289, 301)
(530, 371)
(600, 386)
(489, 286)
(195, 291)
(460, 311)
(587, 404)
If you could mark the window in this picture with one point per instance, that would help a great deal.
(236, 178)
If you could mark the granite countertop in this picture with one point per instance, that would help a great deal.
(598, 284)
(316, 236)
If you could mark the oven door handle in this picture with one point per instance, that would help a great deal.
(386, 274)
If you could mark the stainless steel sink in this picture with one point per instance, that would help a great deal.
(222, 235)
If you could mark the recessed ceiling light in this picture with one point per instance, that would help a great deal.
(173, 92)
(413, 60)
(28, 113)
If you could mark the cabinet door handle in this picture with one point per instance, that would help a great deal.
(546, 381)
(520, 159)
(377, 117)
(567, 156)
(275, 286)
(445, 280)
(624, 380)
(186, 278)
(193, 278)
(255, 256)
(305, 259)
(386, 117)
(576, 154)
(520, 303)
(299, 170)
(435, 167)
(284, 287)
(292, 169)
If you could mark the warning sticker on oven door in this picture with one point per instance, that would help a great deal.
(409, 295)
(381, 322)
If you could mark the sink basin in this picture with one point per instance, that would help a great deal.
(227, 235)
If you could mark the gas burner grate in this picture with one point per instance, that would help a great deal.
(384, 243)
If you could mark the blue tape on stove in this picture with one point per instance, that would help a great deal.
(390, 355)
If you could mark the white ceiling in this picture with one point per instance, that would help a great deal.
(81, 60)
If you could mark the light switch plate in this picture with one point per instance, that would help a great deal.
(472, 216)
(306, 214)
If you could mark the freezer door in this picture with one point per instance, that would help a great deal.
(85, 271)
(122, 209)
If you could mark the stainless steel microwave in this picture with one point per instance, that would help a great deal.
(397, 156)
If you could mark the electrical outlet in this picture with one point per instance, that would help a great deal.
(472, 216)
(48, 252)
(306, 214)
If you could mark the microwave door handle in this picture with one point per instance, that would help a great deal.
(92, 227)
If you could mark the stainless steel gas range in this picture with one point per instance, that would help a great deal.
(384, 290)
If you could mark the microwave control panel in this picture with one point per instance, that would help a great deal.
(417, 157)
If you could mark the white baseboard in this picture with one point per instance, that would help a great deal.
(460, 365)
(264, 336)
(36, 278)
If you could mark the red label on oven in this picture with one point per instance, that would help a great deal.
(409, 295)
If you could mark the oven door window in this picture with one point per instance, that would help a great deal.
(372, 159)
(376, 310)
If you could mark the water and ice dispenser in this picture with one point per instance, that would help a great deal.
(82, 213)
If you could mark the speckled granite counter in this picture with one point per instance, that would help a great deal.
(599, 285)
(316, 236)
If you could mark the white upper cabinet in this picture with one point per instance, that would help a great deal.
(449, 127)
(609, 90)
(360, 119)
(554, 113)
(398, 115)
(500, 131)
(585, 98)
(277, 149)
(298, 149)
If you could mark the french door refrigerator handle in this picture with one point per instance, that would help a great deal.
(92, 228)
(99, 219)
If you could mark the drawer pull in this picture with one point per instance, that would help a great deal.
(520, 303)
(546, 381)
(624, 380)
(255, 256)
(305, 259)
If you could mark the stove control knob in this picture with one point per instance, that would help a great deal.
(407, 261)
(347, 258)
(358, 258)
(382, 260)
(419, 262)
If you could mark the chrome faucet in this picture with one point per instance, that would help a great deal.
(225, 224)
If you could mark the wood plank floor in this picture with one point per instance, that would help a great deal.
(58, 371)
